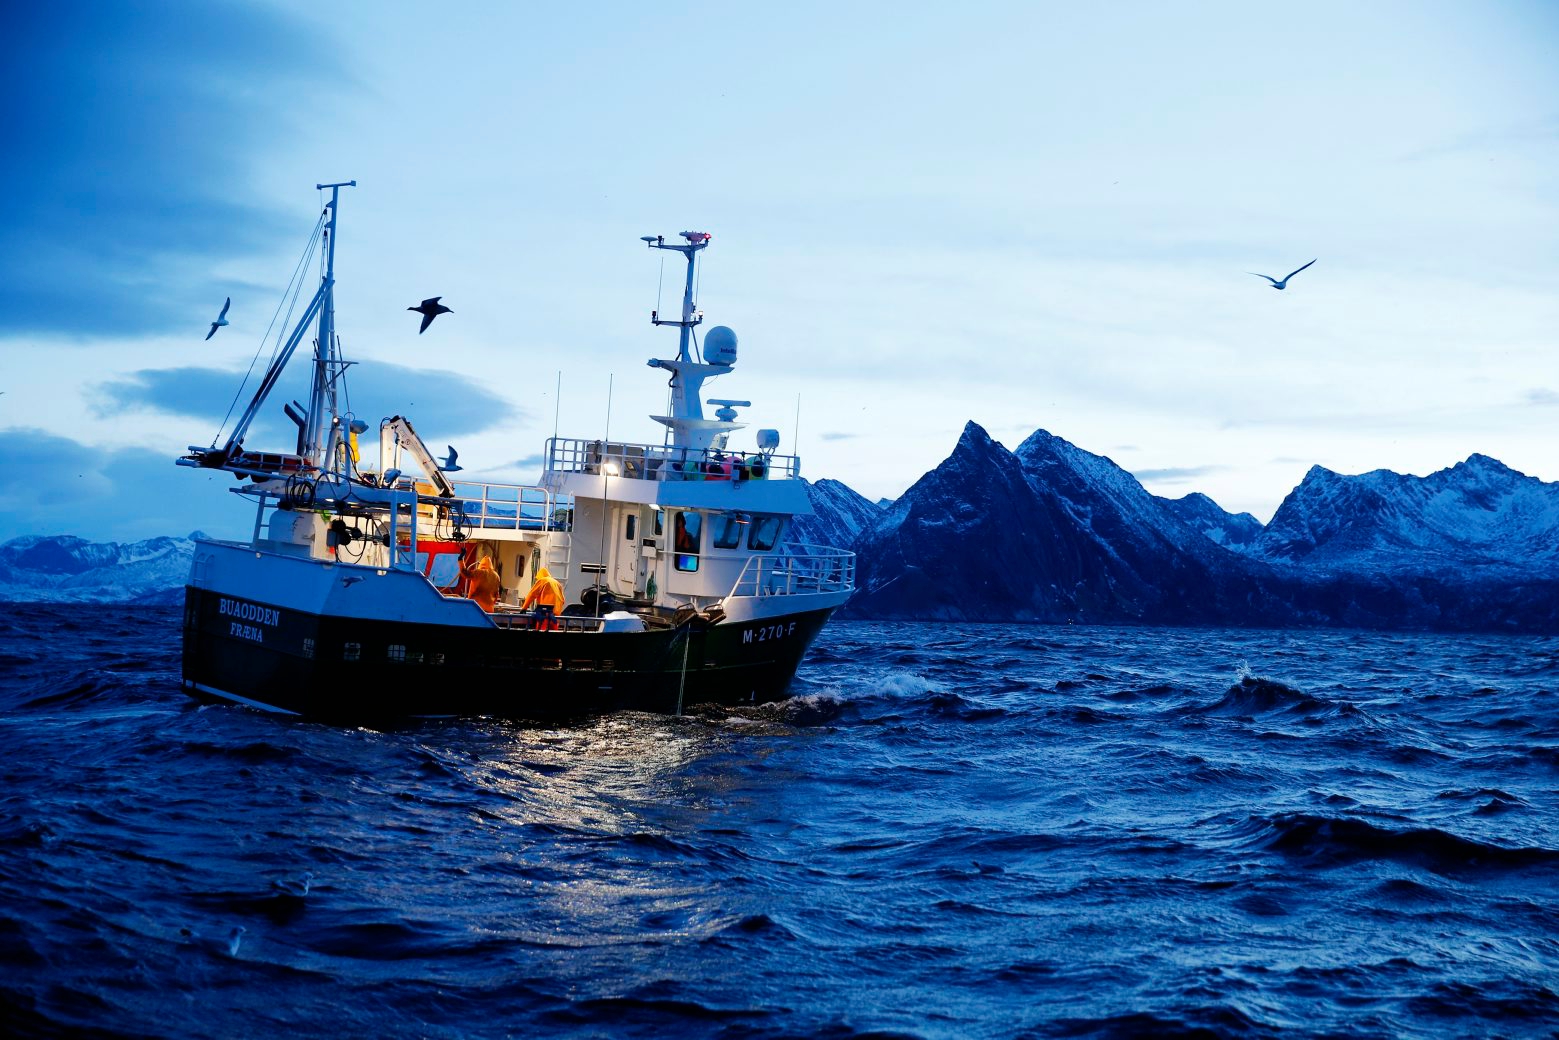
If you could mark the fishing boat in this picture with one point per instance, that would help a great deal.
(367, 590)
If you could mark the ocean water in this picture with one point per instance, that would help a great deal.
(989, 831)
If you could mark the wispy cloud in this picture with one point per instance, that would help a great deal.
(75, 486)
(442, 404)
(129, 133)
(836, 436)
(1491, 140)
(1175, 474)
(1542, 396)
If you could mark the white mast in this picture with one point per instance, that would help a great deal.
(689, 428)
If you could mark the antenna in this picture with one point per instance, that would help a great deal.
(557, 404)
(607, 470)
(691, 316)
(795, 437)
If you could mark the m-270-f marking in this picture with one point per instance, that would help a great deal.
(764, 633)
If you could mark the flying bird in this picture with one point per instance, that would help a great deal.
(1284, 283)
(448, 465)
(221, 318)
(430, 309)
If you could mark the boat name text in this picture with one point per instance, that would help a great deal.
(764, 633)
(269, 616)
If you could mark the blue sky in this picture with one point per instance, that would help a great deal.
(1029, 215)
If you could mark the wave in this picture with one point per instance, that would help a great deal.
(1200, 1024)
(1503, 1001)
(1330, 841)
(67, 692)
(947, 705)
(1254, 697)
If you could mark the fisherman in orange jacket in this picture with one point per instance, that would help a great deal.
(483, 583)
(545, 592)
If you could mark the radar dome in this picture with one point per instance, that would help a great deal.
(720, 346)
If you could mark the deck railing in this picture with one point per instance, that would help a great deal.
(798, 568)
(511, 507)
(664, 462)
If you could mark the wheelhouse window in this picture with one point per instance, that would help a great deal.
(442, 568)
(763, 532)
(685, 531)
(728, 530)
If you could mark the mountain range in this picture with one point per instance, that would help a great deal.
(66, 569)
(1049, 532)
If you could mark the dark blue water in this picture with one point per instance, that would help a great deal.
(999, 831)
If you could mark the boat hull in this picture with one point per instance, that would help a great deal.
(353, 668)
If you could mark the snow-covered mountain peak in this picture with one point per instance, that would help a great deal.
(839, 515)
(1200, 513)
(64, 568)
(1476, 512)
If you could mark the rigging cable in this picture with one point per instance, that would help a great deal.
(294, 285)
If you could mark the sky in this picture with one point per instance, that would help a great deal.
(1029, 215)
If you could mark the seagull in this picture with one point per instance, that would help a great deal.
(221, 318)
(1284, 283)
(430, 309)
(448, 465)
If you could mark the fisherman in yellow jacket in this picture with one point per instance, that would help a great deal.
(545, 592)
(482, 581)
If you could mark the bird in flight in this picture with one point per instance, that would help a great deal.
(221, 318)
(430, 309)
(448, 465)
(1284, 283)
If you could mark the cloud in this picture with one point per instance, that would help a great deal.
(1542, 396)
(1488, 140)
(129, 133)
(1175, 474)
(837, 436)
(441, 404)
(119, 494)
(535, 461)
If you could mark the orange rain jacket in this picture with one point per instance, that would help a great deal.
(484, 583)
(545, 592)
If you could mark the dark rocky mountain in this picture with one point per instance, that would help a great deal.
(1046, 533)
(1200, 513)
(839, 515)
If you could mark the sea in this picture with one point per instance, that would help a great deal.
(947, 831)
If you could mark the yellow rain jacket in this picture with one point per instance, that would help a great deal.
(545, 592)
(484, 584)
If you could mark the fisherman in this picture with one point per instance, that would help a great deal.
(545, 597)
(481, 582)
